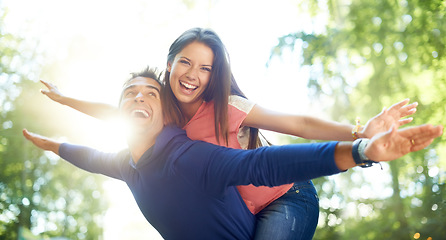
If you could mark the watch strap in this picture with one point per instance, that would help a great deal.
(358, 154)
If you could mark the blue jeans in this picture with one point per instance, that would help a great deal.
(292, 216)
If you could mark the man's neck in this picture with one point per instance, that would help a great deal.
(138, 146)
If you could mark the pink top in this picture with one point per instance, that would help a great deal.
(201, 127)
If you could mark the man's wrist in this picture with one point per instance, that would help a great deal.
(358, 154)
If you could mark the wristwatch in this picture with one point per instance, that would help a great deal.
(358, 153)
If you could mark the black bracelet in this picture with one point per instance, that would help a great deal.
(358, 153)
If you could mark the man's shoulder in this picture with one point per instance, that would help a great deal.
(171, 139)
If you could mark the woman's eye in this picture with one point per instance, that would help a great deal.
(184, 62)
(207, 69)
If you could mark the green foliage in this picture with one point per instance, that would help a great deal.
(373, 54)
(38, 192)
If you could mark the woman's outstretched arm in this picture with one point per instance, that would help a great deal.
(320, 129)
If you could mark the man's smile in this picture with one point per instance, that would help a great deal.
(139, 113)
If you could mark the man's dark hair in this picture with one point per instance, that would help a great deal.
(148, 72)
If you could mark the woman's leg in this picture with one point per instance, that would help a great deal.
(292, 216)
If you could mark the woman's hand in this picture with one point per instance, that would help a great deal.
(388, 118)
(53, 93)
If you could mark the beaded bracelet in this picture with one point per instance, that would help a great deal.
(356, 129)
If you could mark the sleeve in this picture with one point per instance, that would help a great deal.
(241, 103)
(245, 106)
(221, 167)
(94, 161)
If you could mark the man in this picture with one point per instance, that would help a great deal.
(186, 189)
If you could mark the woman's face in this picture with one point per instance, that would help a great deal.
(190, 73)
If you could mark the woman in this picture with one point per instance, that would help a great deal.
(202, 97)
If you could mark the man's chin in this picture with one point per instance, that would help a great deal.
(138, 120)
(137, 129)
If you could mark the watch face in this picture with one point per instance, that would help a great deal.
(361, 149)
(355, 152)
(358, 153)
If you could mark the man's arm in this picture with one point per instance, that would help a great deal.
(41, 142)
(88, 159)
(98, 110)
(272, 166)
(390, 145)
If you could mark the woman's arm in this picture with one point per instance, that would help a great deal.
(98, 110)
(319, 129)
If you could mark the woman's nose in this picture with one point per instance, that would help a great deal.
(191, 74)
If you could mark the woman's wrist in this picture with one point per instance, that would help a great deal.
(357, 130)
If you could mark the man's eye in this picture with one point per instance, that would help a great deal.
(152, 94)
(129, 93)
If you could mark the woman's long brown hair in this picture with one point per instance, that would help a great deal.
(220, 86)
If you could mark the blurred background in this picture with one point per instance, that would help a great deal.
(334, 59)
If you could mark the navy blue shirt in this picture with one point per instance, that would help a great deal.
(187, 189)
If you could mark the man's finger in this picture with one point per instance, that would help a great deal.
(421, 144)
(412, 131)
(27, 135)
(419, 136)
(45, 83)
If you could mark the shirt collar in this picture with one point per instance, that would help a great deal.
(167, 134)
(146, 155)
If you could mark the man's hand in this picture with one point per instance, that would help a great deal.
(53, 93)
(393, 144)
(42, 142)
(390, 117)
(98, 110)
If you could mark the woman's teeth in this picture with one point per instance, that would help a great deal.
(188, 86)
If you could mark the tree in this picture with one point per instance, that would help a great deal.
(39, 195)
(371, 54)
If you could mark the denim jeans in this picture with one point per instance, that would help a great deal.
(292, 216)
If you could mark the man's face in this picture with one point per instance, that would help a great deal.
(141, 106)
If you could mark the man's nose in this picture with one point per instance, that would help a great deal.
(139, 97)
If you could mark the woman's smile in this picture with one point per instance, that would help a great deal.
(190, 73)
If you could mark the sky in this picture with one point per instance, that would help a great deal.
(93, 45)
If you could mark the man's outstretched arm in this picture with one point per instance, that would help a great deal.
(86, 158)
(278, 165)
(41, 142)
(390, 145)
(97, 110)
